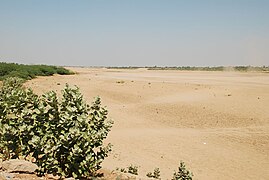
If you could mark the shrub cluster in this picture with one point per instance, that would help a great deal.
(183, 173)
(29, 71)
(156, 174)
(62, 136)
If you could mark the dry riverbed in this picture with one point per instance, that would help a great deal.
(216, 122)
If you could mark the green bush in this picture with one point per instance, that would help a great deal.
(132, 169)
(18, 108)
(63, 71)
(62, 136)
(183, 173)
(29, 71)
(23, 74)
(156, 174)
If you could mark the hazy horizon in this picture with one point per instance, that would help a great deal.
(135, 33)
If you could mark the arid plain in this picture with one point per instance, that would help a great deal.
(216, 122)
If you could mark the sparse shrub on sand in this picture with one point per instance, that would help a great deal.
(183, 173)
(62, 136)
(123, 170)
(156, 174)
(132, 169)
(120, 82)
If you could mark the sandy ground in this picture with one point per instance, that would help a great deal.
(216, 122)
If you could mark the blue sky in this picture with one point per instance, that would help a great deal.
(135, 32)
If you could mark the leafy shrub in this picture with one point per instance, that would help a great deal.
(123, 170)
(156, 174)
(17, 118)
(63, 71)
(183, 173)
(21, 74)
(63, 137)
(132, 169)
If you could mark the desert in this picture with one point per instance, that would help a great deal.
(216, 122)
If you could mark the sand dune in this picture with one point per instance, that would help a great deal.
(217, 122)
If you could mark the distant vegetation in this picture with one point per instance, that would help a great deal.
(27, 72)
(195, 68)
(122, 67)
(216, 68)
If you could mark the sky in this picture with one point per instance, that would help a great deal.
(135, 32)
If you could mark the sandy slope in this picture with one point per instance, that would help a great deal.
(217, 122)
